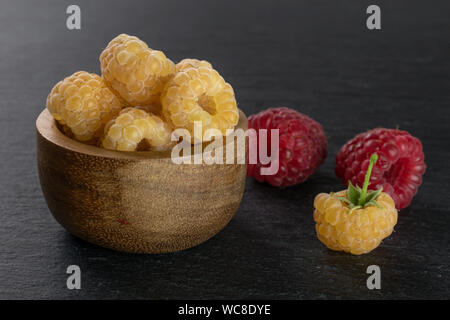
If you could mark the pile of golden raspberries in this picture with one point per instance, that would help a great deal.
(140, 98)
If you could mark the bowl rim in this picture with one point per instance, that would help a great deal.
(47, 129)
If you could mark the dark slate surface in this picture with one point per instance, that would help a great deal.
(314, 56)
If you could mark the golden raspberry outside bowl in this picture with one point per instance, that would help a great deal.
(139, 202)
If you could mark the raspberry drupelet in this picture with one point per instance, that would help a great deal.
(134, 71)
(192, 63)
(355, 220)
(198, 93)
(83, 104)
(398, 171)
(135, 126)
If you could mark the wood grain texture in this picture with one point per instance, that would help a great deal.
(315, 56)
(138, 202)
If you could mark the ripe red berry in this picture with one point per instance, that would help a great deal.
(302, 146)
(399, 169)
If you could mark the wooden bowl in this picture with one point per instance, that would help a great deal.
(138, 202)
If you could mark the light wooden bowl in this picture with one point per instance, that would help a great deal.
(138, 202)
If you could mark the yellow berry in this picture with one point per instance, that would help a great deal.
(83, 103)
(134, 71)
(198, 93)
(357, 232)
(134, 125)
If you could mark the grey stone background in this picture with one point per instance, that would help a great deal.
(315, 56)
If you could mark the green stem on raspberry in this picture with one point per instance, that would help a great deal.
(358, 198)
(373, 160)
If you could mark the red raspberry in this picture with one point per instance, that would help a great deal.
(399, 169)
(303, 146)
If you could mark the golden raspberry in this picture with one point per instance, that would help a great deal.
(354, 220)
(136, 129)
(83, 103)
(134, 71)
(357, 232)
(198, 93)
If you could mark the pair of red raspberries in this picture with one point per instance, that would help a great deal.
(303, 148)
